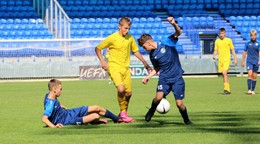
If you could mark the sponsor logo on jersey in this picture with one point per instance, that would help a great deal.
(163, 50)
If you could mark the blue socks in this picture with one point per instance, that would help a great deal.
(249, 84)
(109, 114)
(253, 85)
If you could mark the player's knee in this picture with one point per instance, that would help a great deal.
(128, 94)
(179, 104)
(95, 116)
(96, 108)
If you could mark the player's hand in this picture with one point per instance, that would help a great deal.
(235, 62)
(104, 66)
(214, 58)
(259, 62)
(171, 20)
(145, 80)
(242, 63)
(59, 125)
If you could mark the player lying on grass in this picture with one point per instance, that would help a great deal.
(56, 116)
(165, 59)
(252, 49)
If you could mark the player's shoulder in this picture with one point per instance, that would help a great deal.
(247, 42)
(228, 39)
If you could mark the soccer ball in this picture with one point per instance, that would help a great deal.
(163, 107)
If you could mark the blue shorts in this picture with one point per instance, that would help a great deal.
(254, 67)
(178, 88)
(75, 116)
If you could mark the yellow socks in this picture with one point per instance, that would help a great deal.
(122, 103)
(227, 87)
(127, 99)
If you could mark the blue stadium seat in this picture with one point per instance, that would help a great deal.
(3, 3)
(76, 20)
(26, 3)
(195, 22)
(114, 20)
(11, 3)
(91, 20)
(203, 22)
(78, 3)
(74, 26)
(252, 24)
(142, 20)
(3, 21)
(239, 18)
(246, 18)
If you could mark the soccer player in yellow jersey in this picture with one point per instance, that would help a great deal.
(223, 46)
(120, 45)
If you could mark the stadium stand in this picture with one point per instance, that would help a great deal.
(98, 19)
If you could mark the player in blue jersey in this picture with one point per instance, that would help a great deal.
(165, 60)
(56, 116)
(252, 50)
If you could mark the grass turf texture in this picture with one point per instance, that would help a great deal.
(217, 118)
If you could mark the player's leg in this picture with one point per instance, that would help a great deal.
(80, 116)
(117, 75)
(162, 90)
(156, 100)
(102, 112)
(91, 118)
(249, 81)
(225, 68)
(128, 93)
(254, 77)
(179, 94)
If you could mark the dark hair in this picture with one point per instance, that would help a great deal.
(125, 20)
(222, 29)
(53, 83)
(144, 38)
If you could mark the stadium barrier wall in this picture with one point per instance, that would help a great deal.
(30, 59)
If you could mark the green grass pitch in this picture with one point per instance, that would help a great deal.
(218, 119)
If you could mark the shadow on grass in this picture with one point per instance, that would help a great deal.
(227, 122)
(241, 123)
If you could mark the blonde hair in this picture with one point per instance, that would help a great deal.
(124, 20)
(253, 32)
(53, 83)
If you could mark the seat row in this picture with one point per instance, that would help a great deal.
(114, 20)
(15, 3)
(21, 21)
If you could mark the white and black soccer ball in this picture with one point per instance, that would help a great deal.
(163, 107)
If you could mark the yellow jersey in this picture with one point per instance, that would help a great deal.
(119, 49)
(223, 46)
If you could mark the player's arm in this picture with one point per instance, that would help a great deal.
(215, 54)
(243, 59)
(101, 59)
(50, 124)
(62, 106)
(147, 78)
(215, 51)
(140, 57)
(235, 56)
(178, 30)
(259, 58)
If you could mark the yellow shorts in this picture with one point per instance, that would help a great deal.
(223, 65)
(121, 76)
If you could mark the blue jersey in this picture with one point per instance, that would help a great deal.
(167, 59)
(252, 49)
(52, 108)
(56, 114)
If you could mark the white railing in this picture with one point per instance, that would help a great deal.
(57, 20)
